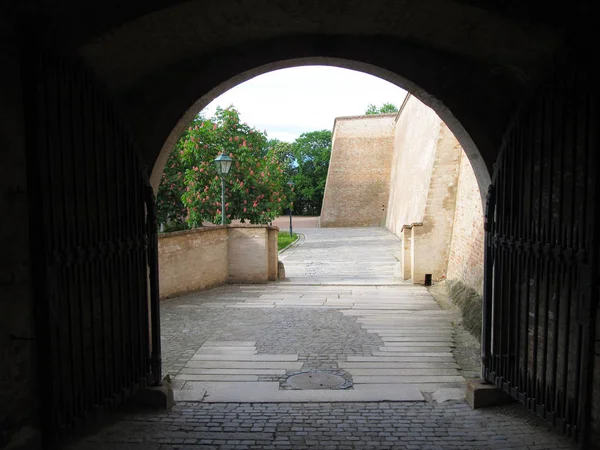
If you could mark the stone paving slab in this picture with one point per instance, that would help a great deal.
(274, 365)
(200, 357)
(227, 371)
(398, 365)
(220, 377)
(411, 358)
(264, 392)
(402, 379)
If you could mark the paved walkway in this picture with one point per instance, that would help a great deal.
(231, 349)
(349, 256)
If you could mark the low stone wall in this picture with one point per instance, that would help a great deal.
(202, 258)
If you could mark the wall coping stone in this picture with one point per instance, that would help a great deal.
(214, 228)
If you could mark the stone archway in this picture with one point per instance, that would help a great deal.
(477, 162)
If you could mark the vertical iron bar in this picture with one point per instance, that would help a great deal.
(155, 358)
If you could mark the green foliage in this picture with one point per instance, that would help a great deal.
(171, 212)
(386, 108)
(311, 153)
(257, 188)
(254, 185)
(284, 239)
(285, 157)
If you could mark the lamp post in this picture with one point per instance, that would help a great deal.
(291, 185)
(223, 163)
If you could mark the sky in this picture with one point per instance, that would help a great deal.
(289, 102)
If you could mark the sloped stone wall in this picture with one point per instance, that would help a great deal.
(358, 181)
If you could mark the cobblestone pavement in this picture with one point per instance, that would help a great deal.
(271, 330)
(401, 426)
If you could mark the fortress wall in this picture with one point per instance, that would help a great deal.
(358, 181)
(432, 239)
(466, 250)
(409, 173)
(415, 139)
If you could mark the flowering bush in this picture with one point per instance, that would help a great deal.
(255, 183)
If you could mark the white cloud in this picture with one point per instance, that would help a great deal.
(289, 102)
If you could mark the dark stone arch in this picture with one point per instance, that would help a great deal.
(461, 92)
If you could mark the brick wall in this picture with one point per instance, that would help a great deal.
(192, 260)
(206, 257)
(357, 188)
(466, 250)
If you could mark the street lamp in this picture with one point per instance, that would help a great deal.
(291, 185)
(223, 163)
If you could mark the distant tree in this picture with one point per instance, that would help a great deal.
(190, 191)
(311, 153)
(386, 108)
(285, 157)
(255, 183)
(171, 211)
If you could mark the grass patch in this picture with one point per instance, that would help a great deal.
(284, 239)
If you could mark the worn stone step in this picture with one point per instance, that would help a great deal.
(236, 371)
(219, 351)
(417, 343)
(245, 365)
(411, 334)
(398, 365)
(248, 305)
(190, 377)
(245, 358)
(421, 338)
(407, 379)
(229, 344)
(419, 351)
(404, 371)
(414, 357)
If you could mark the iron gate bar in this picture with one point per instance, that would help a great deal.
(541, 256)
(90, 234)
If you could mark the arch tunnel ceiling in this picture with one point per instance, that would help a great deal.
(158, 58)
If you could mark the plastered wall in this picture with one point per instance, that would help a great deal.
(432, 238)
(423, 182)
(415, 140)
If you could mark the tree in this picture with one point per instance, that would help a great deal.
(171, 212)
(311, 152)
(255, 183)
(386, 108)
